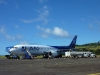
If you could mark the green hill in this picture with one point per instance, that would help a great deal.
(93, 47)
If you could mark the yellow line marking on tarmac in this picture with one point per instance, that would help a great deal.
(94, 74)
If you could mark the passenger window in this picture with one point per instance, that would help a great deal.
(24, 48)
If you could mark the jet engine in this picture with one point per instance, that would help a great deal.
(53, 54)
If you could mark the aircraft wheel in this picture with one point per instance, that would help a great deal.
(45, 56)
(60, 56)
(17, 57)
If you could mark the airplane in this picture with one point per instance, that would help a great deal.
(45, 50)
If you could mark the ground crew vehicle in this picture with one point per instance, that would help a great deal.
(79, 54)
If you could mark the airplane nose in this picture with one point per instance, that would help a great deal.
(11, 50)
(8, 49)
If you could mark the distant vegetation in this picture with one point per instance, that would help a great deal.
(93, 47)
(2, 56)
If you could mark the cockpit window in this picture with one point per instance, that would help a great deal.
(14, 47)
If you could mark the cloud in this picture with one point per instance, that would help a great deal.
(97, 22)
(30, 21)
(44, 35)
(16, 5)
(7, 36)
(3, 2)
(91, 27)
(2, 30)
(43, 13)
(42, 16)
(19, 37)
(42, 1)
(82, 19)
(16, 26)
(58, 32)
(23, 42)
(16, 37)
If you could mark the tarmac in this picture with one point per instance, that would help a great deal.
(60, 66)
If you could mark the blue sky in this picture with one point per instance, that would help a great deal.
(48, 22)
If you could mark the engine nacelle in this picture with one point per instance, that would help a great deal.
(53, 54)
(56, 54)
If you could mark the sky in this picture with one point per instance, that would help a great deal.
(48, 22)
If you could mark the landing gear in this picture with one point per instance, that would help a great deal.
(15, 57)
(45, 56)
(50, 55)
(27, 57)
(59, 56)
(12, 57)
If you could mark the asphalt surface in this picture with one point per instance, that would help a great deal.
(60, 66)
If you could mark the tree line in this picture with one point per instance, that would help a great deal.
(94, 48)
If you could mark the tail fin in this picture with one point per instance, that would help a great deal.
(73, 43)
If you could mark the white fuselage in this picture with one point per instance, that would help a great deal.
(33, 49)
